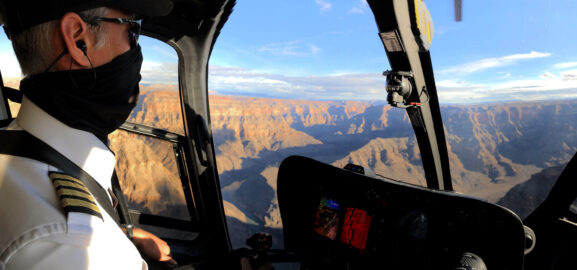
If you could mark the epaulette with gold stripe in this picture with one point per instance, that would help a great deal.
(73, 194)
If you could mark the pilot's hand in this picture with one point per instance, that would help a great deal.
(152, 246)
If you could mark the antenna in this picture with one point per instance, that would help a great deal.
(458, 10)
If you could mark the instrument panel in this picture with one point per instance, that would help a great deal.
(337, 219)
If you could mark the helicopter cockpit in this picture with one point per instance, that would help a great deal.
(329, 216)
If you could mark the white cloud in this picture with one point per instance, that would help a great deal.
(253, 81)
(565, 65)
(506, 75)
(545, 82)
(461, 97)
(168, 52)
(547, 86)
(492, 63)
(569, 75)
(371, 86)
(366, 86)
(451, 91)
(314, 49)
(360, 8)
(356, 10)
(325, 6)
(240, 81)
(451, 84)
(547, 75)
(159, 72)
(291, 48)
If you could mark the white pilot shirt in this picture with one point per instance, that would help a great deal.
(34, 231)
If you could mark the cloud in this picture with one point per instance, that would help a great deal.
(492, 63)
(325, 6)
(167, 52)
(547, 75)
(546, 82)
(569, 75)
(451, 91)
(452, 85)
(351, 86)
(314, 49)
(366, 86)
(547, 86)
(506, 75)
(360, 8)
(159, 72)
(291, 48)
(371, 86)
(565, 65)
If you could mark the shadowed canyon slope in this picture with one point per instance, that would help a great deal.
(492, 147)
(525, 197)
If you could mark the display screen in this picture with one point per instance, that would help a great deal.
(355, 229)
(328, 218)
(349, 225)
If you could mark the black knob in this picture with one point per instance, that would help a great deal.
(260, 241)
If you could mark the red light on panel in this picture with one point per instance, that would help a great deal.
(355, 230)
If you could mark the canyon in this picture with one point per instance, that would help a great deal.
(498, 152)
(492, 148)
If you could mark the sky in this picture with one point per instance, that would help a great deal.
(514, 50)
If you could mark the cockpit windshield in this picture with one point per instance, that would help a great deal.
(312, 85)
(506, 82)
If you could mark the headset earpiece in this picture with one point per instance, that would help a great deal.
(82, 46)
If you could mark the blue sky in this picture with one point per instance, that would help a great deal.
(328, 49)
(319, 49)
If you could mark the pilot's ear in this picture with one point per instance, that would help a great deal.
(73, 30)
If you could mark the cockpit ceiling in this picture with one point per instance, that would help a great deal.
(188, 17)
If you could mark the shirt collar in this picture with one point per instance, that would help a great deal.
(81, 147)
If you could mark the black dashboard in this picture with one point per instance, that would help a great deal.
(337, 219)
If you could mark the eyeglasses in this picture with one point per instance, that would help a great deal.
(133, 31)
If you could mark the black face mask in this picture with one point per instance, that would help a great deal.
(96, 100)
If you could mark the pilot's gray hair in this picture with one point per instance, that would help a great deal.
(33, 47)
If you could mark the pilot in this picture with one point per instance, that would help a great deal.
(81, 65)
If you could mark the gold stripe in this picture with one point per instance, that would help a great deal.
(59, 183)
(56, 176)
(79, 203)
(417, 14)
(71, 192)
